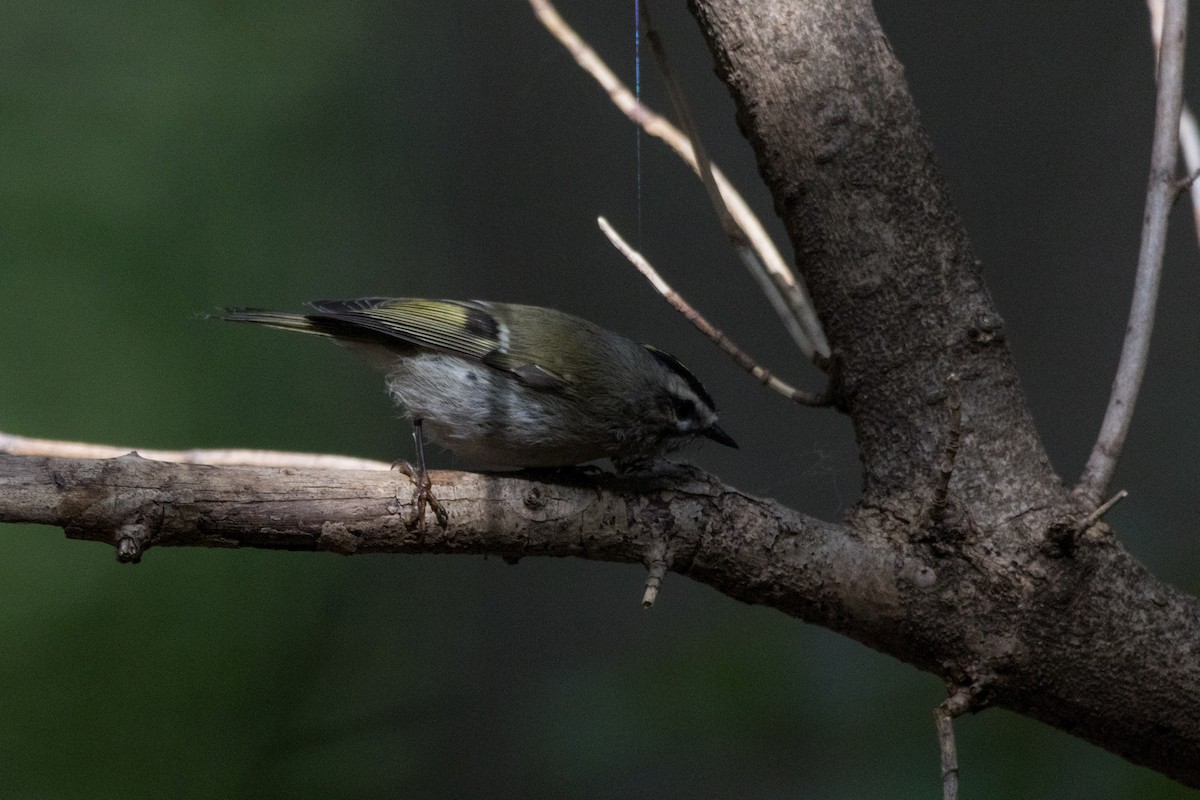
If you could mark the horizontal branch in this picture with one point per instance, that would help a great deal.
(15, 445)
(903, 591)
(149, 504)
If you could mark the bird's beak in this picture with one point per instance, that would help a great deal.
(715, 433)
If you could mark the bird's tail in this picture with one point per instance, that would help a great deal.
(274, 319)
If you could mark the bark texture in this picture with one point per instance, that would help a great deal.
(1000, 592)
(1023, 607)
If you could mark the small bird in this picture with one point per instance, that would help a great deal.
(513, 385)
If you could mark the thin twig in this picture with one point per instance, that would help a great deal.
(1189, 143)
(950, 453)
(1103, 459)
(957, 704)
(743, 359)
(1189, 132)
(704, 168)
(945, 733)
(778, 282)
(1186, 183)
(14, 445)
(1103, 509)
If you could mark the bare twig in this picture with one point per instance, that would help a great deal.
(1189, 132)
(703, 165)
(741, 357)
(741, 242)
(943, 716)
(1103, 459)
(1185, 184)
(776, 279)
(1189, 143)
(1103, 509)
(945, 731)
(14, 445)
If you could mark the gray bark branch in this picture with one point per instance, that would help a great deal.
(1088, 641)
(823, 102)
(1161, 194)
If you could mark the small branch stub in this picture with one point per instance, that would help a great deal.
(1091, 518)
(658, 570)
(1184, 184)
(131, 543)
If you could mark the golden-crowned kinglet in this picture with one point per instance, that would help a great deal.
(515, 385)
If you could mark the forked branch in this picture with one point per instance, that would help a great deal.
(776, 279)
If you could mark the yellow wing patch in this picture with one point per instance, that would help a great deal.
(447, 326)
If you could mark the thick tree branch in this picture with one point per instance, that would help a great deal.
(681, 516)
(1012, 635)
(822, 100)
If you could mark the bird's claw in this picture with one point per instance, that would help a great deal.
(422, 498)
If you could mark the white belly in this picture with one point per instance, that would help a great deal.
(489, 417)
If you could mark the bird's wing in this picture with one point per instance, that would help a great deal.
(446, 326)
(461, 328)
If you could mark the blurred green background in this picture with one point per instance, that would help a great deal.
(160, 160)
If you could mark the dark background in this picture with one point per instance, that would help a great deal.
(160, 160)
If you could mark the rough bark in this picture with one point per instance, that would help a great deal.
(1001, 593)
(1085, 640)
(823, 102)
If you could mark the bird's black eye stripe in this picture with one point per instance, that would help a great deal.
(672, 363)
(684, 408)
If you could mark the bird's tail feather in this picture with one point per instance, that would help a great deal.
(273, 319)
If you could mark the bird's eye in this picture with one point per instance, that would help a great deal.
(684, 408)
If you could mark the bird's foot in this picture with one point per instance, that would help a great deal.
(422, 497)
